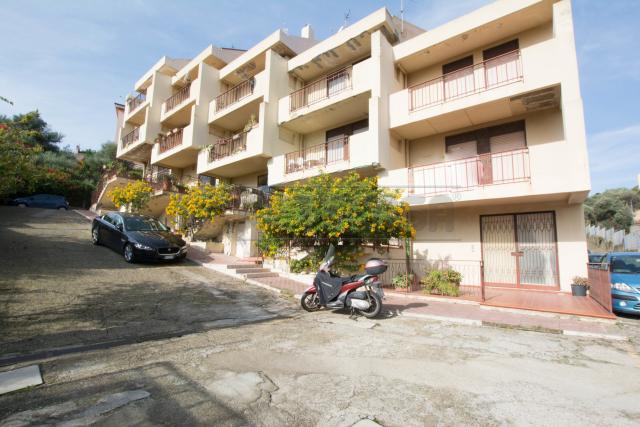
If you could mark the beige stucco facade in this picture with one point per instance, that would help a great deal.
(386, 98)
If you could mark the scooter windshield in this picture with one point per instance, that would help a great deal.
(331, 252)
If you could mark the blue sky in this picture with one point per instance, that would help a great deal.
(72, 59)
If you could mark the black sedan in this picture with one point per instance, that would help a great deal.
(137, 237)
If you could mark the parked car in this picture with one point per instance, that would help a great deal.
(137, 237)
(625, 281)
(49, 201)
(596, 257)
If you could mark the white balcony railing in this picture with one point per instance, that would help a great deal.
(467, 174)
(467, 81)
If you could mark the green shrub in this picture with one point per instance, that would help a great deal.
(402, 281)
(442, 282)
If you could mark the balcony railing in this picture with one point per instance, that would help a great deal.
(136, 101)
(177, 98)
(486, 75)
(326, 87)
(131, 137)
(225, 147)
(318, 155)
(470, 173)
(171, 140)
(235, 94)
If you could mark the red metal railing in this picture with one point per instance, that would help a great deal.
(600, 284)
(171, 140)
(466, 174)
(235, 94)
(318, 155)
(136, 101)
(494, 72)
(324, 88)
(177, 98)
(131, 137)
(225, 147)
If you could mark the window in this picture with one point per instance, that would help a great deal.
(263, 180)
(144, 224)
(500, 50)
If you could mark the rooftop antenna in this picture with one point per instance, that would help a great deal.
(346, 18)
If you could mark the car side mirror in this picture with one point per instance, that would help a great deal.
(119, 227)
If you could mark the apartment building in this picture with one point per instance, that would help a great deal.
(479, 122)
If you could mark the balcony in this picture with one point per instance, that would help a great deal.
(225, 147)
(318, 156)
(477, 78)
(335, 98)
(176, 100)
(235, 94)
(234, 156)
(131, 138)
(171, 140)
(494, 89)
(135, 102)
(232, 108)
(324, 88)
(468, 174)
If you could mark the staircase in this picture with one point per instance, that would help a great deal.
(251, 270)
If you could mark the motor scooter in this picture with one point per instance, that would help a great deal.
(361, 293)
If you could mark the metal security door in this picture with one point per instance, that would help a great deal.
(498, 245)
(520, 250)
(537, 243)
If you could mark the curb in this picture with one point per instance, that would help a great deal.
(83, 215)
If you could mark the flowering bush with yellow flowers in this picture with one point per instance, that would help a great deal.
(189, 211)
(349, 210)
(136, 194)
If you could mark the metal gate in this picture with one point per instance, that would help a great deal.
(520, 250)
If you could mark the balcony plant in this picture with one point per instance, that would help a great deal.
(442, 282)
(579, 286)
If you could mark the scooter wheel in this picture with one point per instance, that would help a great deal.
(310, 301)
(374, 309)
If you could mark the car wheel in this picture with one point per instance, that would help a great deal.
(62, 208)
(95, 236)
(128, 254)
(22, 205)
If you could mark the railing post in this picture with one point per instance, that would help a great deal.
(482, 292)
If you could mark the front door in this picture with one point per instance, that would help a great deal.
(520, 250)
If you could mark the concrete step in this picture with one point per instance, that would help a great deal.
(257, 269)
(243, 265)
(259, 275)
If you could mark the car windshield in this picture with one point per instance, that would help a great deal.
(629, 264)
(144, 224)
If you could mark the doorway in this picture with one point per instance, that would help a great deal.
(520, 250)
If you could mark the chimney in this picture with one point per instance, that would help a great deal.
(307, 32)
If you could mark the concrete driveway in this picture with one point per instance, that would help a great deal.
(214, 351)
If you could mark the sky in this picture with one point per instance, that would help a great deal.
(73, 59)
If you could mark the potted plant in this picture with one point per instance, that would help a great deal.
(579, 286)
(402, 281)
(442, 282)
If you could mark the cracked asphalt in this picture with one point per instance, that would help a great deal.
(187, 346)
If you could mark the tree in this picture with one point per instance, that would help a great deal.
(199, 204)
(135, 194)
(35, 131)
(612, 208)
(349, 211)
(19, 171)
